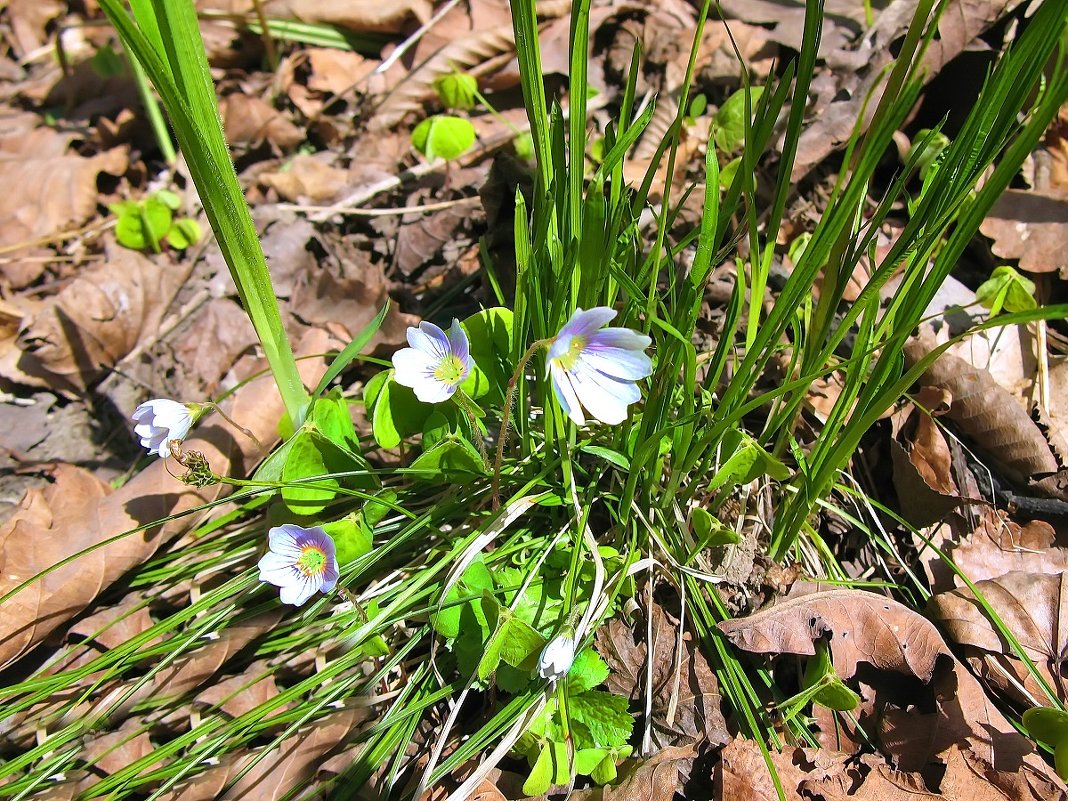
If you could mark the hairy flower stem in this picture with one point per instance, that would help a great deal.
(471, 410)
(509, 398)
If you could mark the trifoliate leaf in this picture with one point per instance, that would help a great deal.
(142, 226)
(171, 200)
(587, 760)
(351, 537)
(443, 137)
(1050, 726)
(549, 768)
(490, 335)
(587, 671)
(475, 581)
(456, 90)
(513, 641)
(605, 715)
(453, 459)
(396, 412)
(744, 461)
(184, 234)
(929, 146)
(1006, 289)
(730, 122)
(709, 531)
(834, 694)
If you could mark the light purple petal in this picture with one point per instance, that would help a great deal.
(459, 344)
(298, 592)
(627, 365)
(284, 539)
(329, 579)
(272, 562)
(565, 394)
(584, 323)
(434, 391)
(430, 339)
(602, 397)
(624, 338)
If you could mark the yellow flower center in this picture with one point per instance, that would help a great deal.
(571, 357)
(312, 560)
(450, 370)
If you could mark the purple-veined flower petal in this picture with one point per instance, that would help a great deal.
(565, 394)
(282, 565)
(585, 323)
(436, 364)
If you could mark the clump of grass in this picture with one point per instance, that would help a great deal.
(444, 591)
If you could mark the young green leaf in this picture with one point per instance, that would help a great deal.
(587, 671)
(730, 122)
(442, 136)
(456, 90)
(1006, 289)
(605, 715)
(184, 233)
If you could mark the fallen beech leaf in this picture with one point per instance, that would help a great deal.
(97, 319)
(49, 526)
(1031, 226)
(864, 627)
(697, 715)
(960, 24)
(989, 416)
(923, 463)
(422, 236)
(743, 775)
(242, 693)
(28, 20)
(1034, 607)
(335, 71)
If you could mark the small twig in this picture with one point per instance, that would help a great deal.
(444, 204)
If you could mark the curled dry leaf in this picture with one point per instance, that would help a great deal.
(688, 715)
(354, 15)
(1034, 607)
(96, 320)
(866, 628)
(923, 463)
(77, 513)
(989, 416)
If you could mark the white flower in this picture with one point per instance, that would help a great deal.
(435, 364)
(302, 561)
(597, 369)
(556, 658)
(161, 422)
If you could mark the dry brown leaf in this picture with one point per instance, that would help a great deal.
(834, 119)
(866, 628)
(1030, 226)
(412, 89)
(291, 764)
(50, 525)
(923, 462)
(697, 715)
(335, 71)
(307, 178)
(653, 779)
(743, 775)
(28, 20)
(215, 338)
(236, 695)
(422, 236)
(989, 416)
(96, 319)
(249, 121)
(863, 627)
(1033, 607)
(999, 546)
(42, 191)
(354, 15)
